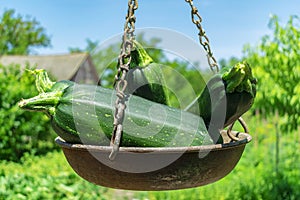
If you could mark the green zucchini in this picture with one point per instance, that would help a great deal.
(149, 83)
(226, 97)
(145, 77)
(84, 114)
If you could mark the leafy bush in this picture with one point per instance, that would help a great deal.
(19, 35)
(20, 131)
(276, 65)
(254, 178)
(47, 177)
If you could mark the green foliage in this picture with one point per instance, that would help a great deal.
(106, 61)
(231, 62)
(276, 64)
(50, 176)
(91, 46)
(20, 131)
(185, 82)
(20, 35)
(255, 176)
(47, 177)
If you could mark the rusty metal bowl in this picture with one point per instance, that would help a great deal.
(148, 169)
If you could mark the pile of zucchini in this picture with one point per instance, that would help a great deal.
(84, 113)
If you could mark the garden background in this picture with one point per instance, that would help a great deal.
(33, 167)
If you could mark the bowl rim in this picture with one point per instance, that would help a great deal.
(244, 139)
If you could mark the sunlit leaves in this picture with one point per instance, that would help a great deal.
(20, 131)
(276, 64)
(19, 35)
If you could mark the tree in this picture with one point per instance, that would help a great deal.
(90, 47)
(276, 64)
(231, 62)
(20, 35)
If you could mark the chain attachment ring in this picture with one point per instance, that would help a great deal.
(244, 125)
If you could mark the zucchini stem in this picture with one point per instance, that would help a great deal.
(41, 102)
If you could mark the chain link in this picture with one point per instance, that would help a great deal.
(124, 60)
(204, 41)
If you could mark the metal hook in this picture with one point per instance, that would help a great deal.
(244, 125)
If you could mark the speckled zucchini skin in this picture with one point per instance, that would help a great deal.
(145, 77)
(148, 82)
(84, 114)
(219, 108)
(226, 96)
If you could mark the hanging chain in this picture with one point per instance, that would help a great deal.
(204, 41)
(124, 60)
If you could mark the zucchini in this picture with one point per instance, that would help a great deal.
(148, 82)
(84, 114)
(226, 97)
(145, 77)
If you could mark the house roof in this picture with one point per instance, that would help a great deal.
(62, 66)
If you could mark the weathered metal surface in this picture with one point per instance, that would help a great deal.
(155, 168)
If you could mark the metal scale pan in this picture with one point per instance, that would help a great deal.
(152, 169)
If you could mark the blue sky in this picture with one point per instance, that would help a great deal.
(228, 24)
